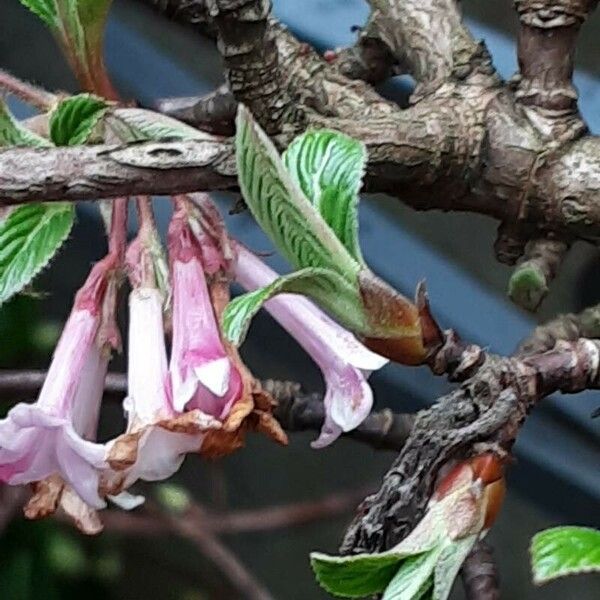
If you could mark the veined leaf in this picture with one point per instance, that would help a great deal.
(329, 166)
(44, 9)
(75, 118)
(12, 133)
(412, 577)
(335, 294)
(29, 237)
(137, 124)
(564, 551)
(280, 207)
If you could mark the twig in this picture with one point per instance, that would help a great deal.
(296, 410)
(29, 382)
(480, 575)
(145, 523)
(27, 92)
(214, 112)
(529, 283)
(191, 526)
(568, 327)
(546, 51)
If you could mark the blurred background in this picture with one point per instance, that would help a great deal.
(556, 478)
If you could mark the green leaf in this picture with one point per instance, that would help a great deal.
(44, 9)
(280, 207)
(413, 577)
(82, 23)
(12, 133)
(448, 565)
(329, 166)
(354, 576)
(73, 121)
(138, 124)
(564, 551)
(29, 237)
(335, 294)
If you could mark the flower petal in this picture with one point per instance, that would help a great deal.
(214, 375)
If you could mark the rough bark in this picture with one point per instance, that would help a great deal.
(483, 415)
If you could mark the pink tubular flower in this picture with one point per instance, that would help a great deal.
(202, 374)
(157, 439)
(53, 436)
(345, 362)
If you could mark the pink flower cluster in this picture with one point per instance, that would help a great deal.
(171, 404)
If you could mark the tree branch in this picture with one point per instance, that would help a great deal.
(480, 575)
(546, 51)
(569, 327)
(214, 112)
(483, 415)
(246, 41)
(425, 37)
(92, 172)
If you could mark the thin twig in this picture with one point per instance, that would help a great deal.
(191, 526)
(27, 92)
(144, 522)
(480, 575)
(296, 410)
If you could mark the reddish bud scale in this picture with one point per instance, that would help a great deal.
(414, 335)
(486, 468)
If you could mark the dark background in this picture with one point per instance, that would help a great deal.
(556, 478)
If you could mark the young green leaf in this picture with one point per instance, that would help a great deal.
(564, 551)
(329, 166)
(328, 288)
(44, 9)
(281, 208)
(137, 124)
(355, 576)
(29, 237)
(448, 565)
(412, 577)
(73, 121)
(12, 133)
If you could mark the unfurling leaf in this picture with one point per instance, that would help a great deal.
(138, 124)
(328, 166)
(563, 551)
(12, 133)
(44, 9)
(355, 576)
(29, 237)
(281, 208)
(73, 121)
(326, 287)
